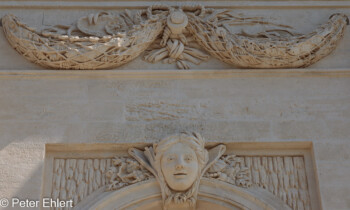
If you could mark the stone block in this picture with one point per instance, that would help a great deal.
(302, 130)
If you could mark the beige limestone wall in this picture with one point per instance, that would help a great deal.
(39, 106)
(37, 109)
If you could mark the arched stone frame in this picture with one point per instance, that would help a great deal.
(212, 193)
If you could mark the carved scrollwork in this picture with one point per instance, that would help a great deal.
(231, 169)
(178, 34)
(125, 171)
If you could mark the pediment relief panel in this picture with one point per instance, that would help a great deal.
(265, 174)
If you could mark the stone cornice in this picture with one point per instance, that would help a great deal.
(171, 74)
(108, 4)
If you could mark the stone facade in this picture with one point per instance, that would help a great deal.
(42, 112)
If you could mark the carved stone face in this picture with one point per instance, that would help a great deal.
(180, 167)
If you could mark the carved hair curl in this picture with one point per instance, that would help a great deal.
(193, 140)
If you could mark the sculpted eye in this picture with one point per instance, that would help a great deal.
(170, 158)
(188, 158)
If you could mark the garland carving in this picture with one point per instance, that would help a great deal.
(181, 35)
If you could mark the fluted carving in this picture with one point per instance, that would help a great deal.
(75, 179)
(284, 176)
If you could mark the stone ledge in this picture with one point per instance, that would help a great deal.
(106, 4)
(174, 74)
(279, 148)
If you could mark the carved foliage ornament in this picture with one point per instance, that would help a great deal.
(178, 163)
(177, 35)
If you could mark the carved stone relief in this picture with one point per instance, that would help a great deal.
(125, 171)
(77, 178)
(181, 35)
(179, 163)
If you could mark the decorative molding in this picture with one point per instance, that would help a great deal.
(213, 194)
(171, 74)
(178, 34)
(104, 5)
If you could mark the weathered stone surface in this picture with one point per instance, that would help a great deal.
(20, 179)
(309, 107)
(161, 111)
(144, 102)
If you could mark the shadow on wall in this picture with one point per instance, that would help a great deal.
(21, 170)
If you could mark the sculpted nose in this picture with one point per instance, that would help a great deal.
(179, 164)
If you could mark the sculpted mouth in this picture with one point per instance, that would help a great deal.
(180, 174)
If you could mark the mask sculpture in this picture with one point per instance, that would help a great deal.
(178, 162)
